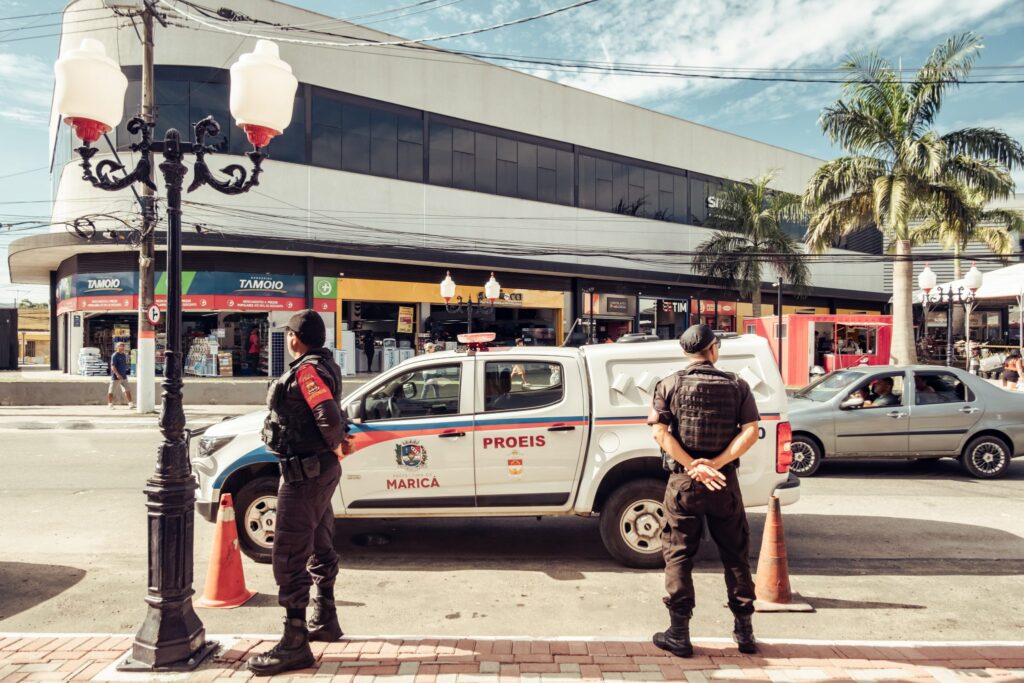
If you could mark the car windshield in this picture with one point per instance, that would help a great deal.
(828, 386)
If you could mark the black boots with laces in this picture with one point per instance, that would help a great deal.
(291, 652)
(677, 638)
(743, 634)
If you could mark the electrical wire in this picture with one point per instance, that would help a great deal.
(460, 34)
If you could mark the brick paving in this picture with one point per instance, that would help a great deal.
(69, 657)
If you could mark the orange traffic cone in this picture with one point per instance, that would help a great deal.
(772, 585)
(225, 582)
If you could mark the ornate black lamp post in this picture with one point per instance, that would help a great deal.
(492, 292)
(963, 294)
(89, 96)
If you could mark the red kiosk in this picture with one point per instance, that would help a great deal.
(830, 341)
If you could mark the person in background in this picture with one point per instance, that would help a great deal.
(254, 346)
(369, 348)
(1011, 370)
(119, 376)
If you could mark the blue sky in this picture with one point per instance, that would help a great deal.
(805, 34)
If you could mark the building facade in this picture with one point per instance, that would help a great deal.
(400, 166)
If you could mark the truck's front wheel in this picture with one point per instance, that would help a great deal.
(256, 517)
(631, 522)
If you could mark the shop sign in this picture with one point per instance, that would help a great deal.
(511, 298)
(405, 319)
(616, 304)
(325, 288)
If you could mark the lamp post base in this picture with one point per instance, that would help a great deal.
(129, 664)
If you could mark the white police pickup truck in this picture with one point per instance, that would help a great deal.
(518, 432)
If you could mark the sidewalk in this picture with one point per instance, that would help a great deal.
(92, 657)
(103, 418)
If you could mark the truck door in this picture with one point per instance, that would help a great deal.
(414, 446)
(530, 430)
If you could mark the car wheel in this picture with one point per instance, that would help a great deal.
(806, 456)
(986, 457)
(631, 522)
(256, 517)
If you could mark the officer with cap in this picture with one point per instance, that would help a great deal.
(307, 430)
(704, 419)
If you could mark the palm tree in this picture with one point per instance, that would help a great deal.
(896, 163)
(748, 219)
(991, 227)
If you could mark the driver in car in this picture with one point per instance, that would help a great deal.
(882, 389)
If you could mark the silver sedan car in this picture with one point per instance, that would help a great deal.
(918, 411)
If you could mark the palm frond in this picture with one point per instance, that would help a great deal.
(832, 220)
(985, 143)
(986, 177)
(948, 65)
(840, 177)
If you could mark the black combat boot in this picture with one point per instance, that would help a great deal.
(743, 634)
(291, 652)
(677, 638)
(324, 625)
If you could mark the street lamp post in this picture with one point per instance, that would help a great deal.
(926, 280)
(492, 292)
(89, 95)
(962, 294)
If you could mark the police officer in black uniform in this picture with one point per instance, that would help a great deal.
(307, 430)
(704, 419)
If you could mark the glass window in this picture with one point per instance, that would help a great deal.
(546, 158)
(355, 139)
(566, 186)
(410, 129)
(426, 391)
(527, 167)
(326, 112)
(679, 210)
(508, 176)
(881, 391)
(588, 183)
(440, 154)
(521, 386)
(410, 161)
(326, 146)
(463, 171)
(486, 163)
(939, 387)
(384, 144)
(620, 187)
(290, 145)
(508, 150)
(547, 187)
(698, 201)
(463, 141)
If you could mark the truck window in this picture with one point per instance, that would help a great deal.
(521, 385)
(426, 391)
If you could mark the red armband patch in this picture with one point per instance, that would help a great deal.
(312, 386)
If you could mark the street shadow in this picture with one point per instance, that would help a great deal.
(24, 585)
(925, 468)
(835, 603)
(565, 548)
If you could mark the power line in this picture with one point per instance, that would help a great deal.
(460, 34)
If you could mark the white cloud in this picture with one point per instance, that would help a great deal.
(27, 82)
(762, 34)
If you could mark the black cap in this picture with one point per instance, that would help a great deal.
(696, 338)
(308, 326)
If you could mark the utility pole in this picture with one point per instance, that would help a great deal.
(146, 353)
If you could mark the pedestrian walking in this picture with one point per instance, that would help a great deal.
(307, 431)
(704, 419)
(369, 349)
(119, 376)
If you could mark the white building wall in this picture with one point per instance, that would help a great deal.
(482, 93)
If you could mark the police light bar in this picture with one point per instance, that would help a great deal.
(477, 341)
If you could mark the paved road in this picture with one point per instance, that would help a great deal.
(884, 551)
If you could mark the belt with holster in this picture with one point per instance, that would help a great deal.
(298, 468)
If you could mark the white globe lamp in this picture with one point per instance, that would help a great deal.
(89, 90)
(262, 93)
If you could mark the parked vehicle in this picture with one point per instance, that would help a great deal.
(517, 432)
(919, 411)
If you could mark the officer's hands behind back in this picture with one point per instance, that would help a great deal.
(701, 470)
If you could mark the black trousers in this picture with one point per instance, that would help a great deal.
(303, 551)
(687, 505)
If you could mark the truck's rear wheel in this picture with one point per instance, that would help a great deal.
(631, 522)
(256, 517)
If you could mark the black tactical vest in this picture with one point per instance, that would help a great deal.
(705, 405)
(290, 429)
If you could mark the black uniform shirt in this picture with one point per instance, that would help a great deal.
(315, 385)
(661, 406)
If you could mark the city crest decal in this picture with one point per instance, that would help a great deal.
(411, 455)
